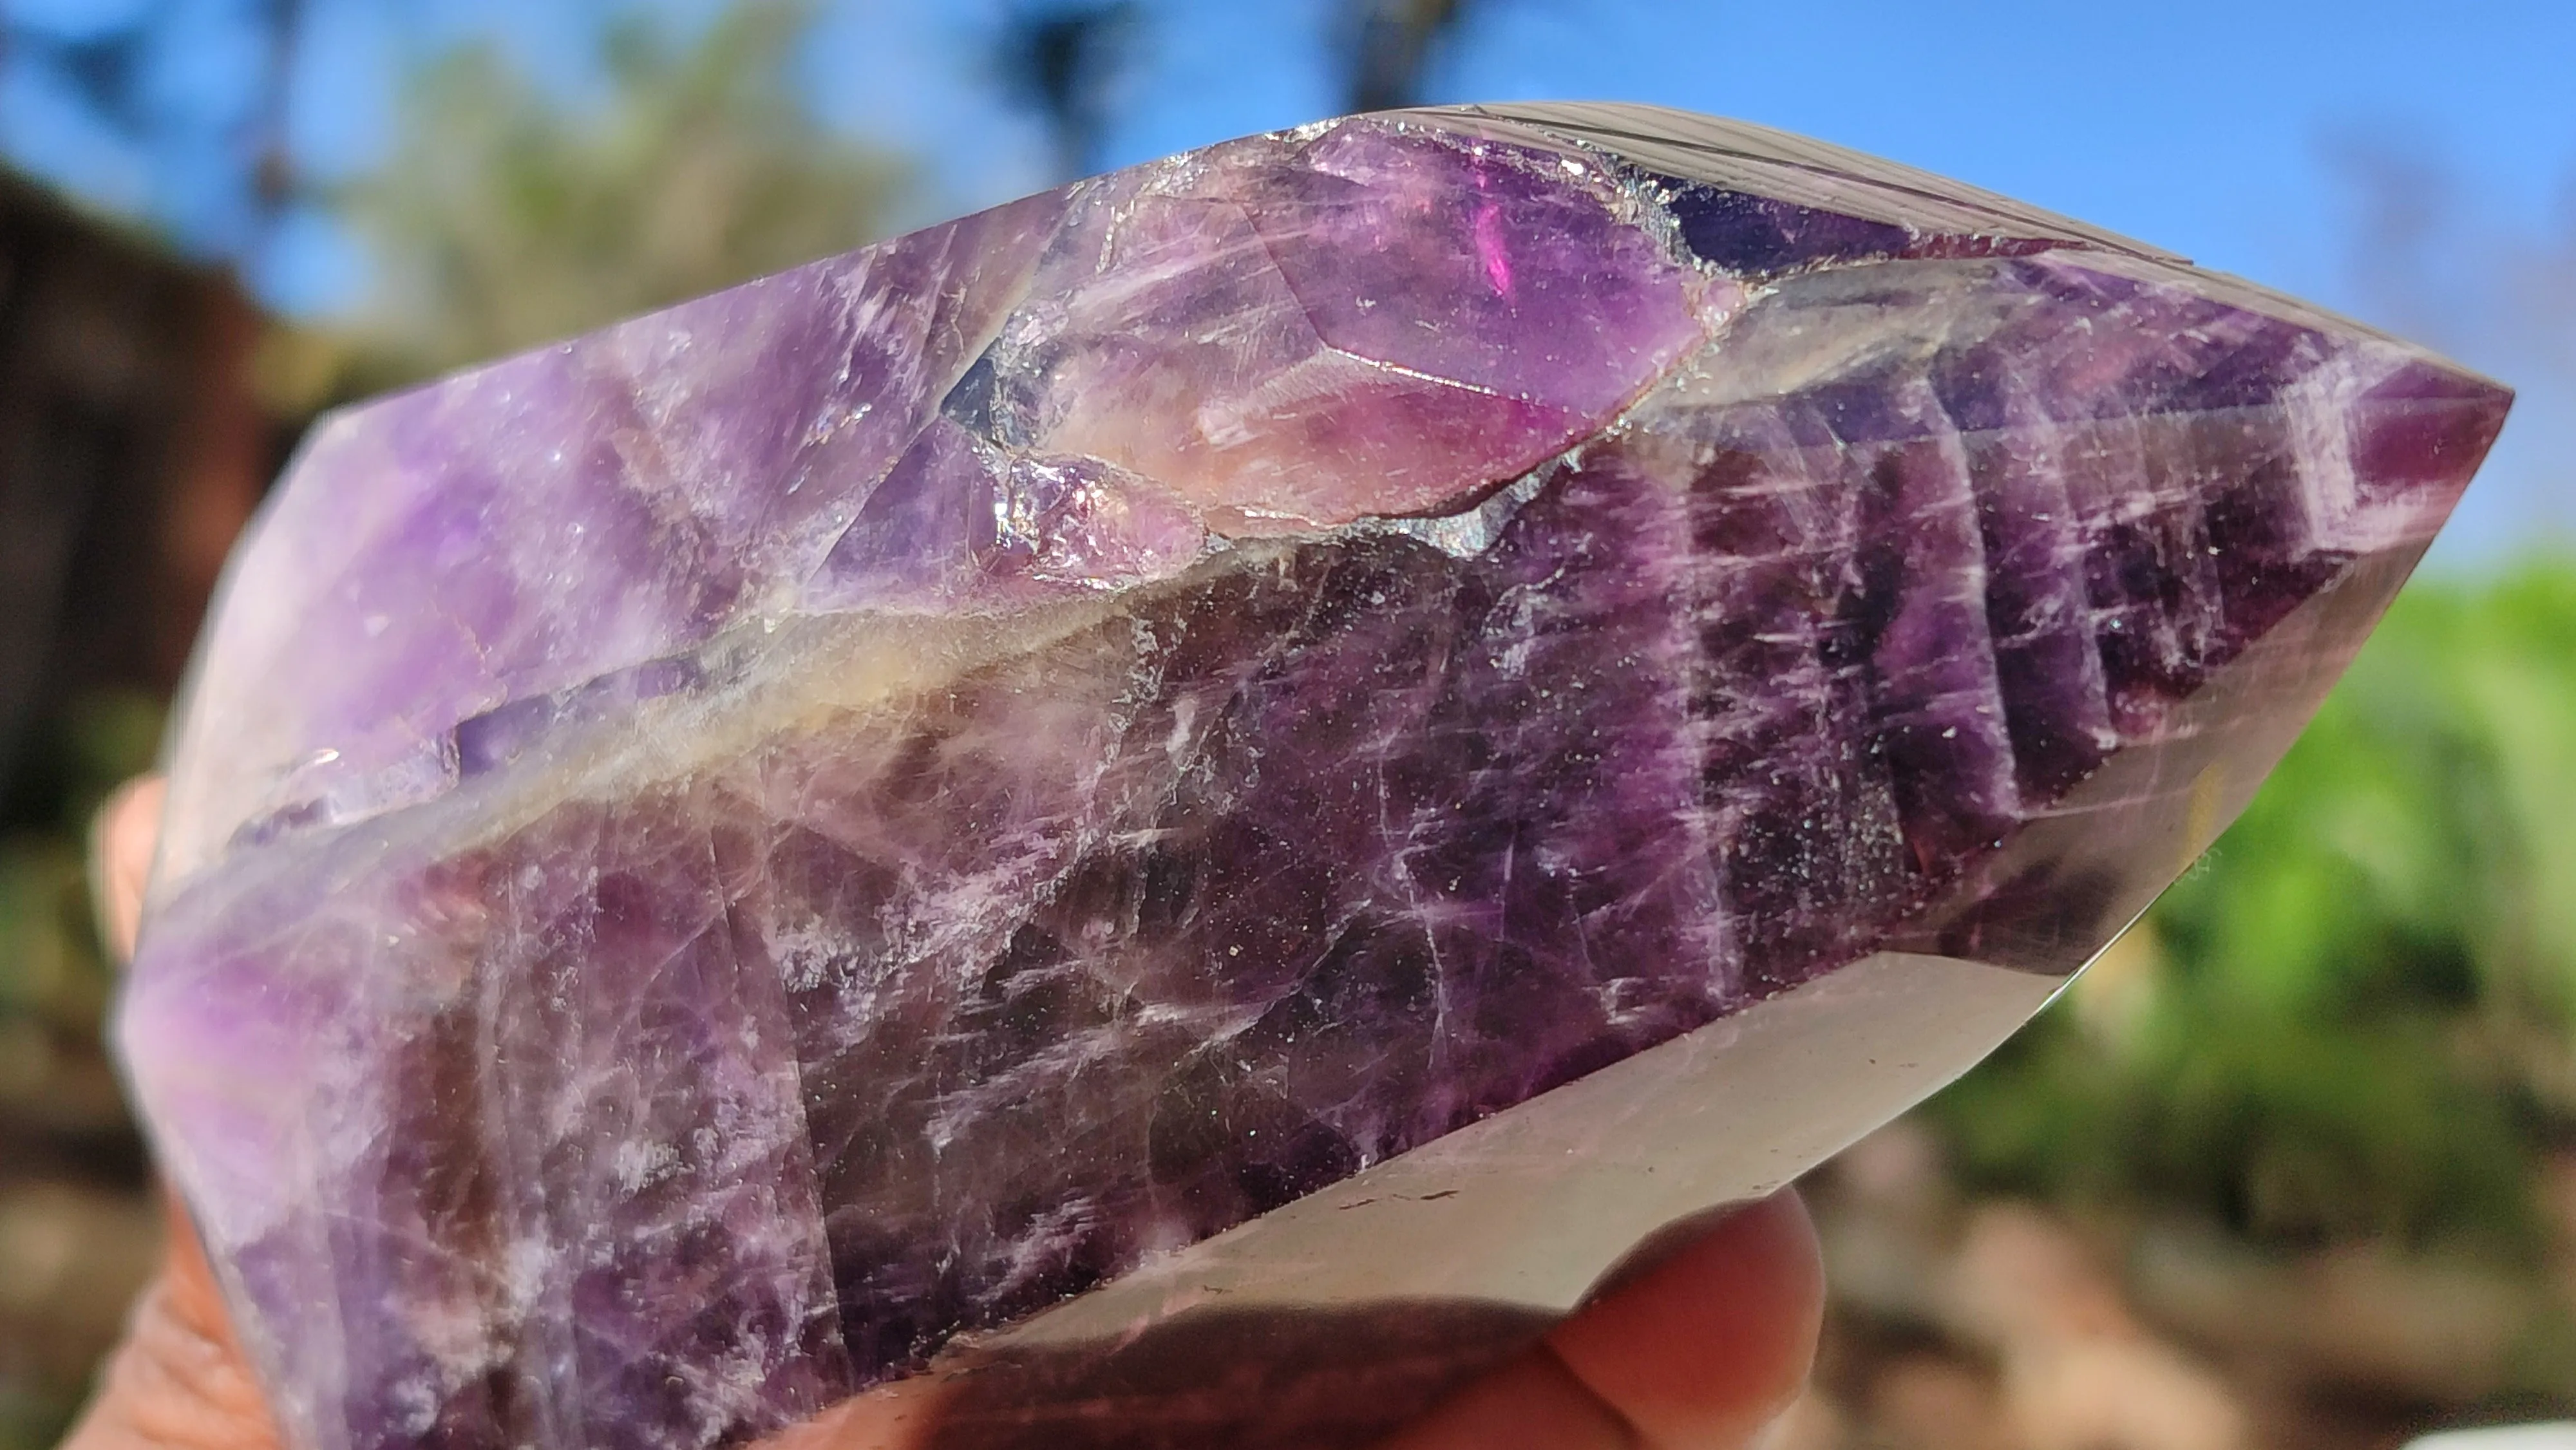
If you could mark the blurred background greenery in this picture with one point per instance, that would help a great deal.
(2294, 1164)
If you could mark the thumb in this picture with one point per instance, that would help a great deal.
(179, 1381)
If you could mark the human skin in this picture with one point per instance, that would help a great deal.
(1699, 1346)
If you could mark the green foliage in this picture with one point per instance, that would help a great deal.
(506, 215)
(2358, 1016)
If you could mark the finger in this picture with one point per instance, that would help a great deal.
(1712, 1343)
(1702, 1350)
(899, 1416)
(1532, 1403)
(179, 1381)
(121, 842)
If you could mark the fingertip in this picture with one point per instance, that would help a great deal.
(123, 836)
(180, 1380)
(899, 1416)
(1714, 1341)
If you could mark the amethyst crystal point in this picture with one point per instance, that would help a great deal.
(1301, 743)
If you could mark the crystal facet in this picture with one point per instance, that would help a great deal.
(1347, 699)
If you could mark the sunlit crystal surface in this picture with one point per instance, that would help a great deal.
(708, 860)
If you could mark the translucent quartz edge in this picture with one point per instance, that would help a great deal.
(1740, 156)
(1527, 1208)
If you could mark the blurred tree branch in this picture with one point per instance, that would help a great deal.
(1391, 44)
(273, 178)
(1064, 61)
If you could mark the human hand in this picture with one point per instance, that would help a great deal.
(1698, 1349)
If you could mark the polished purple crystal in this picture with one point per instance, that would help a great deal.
(710, 860)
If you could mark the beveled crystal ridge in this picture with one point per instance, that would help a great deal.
(1377, 686)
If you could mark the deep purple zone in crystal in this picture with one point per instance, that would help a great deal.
(1756, 235)
(664, 1111)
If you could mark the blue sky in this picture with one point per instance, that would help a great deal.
(2244, 134)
